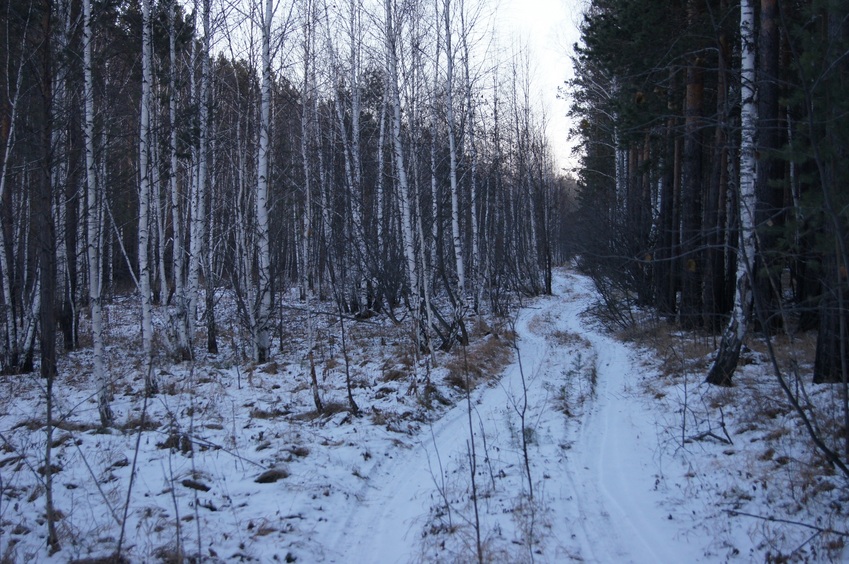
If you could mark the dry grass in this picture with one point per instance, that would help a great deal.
(481, 361)
(790, 350)
(259, 413)
(568, 339)
(329, 408)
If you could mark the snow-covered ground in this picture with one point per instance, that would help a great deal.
(582, 447)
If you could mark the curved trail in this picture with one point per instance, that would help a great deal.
(612, 469)
(593, 475)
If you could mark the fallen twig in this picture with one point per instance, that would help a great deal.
(788, 521)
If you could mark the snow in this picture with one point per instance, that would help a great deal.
(627, 463)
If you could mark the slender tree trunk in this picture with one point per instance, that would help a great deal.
(473, 157)
(769, 169)
(691, 179)
(305, 266)
(712, 220)
(406, 203)
(45, 241)
(209, 275)
(452, 152)
(181, 317)
(261, 335)
(732, 339)
(146, 175)
(92, 227)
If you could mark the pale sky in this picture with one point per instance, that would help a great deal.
(550, 27)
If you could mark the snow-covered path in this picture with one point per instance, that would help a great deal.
(594, 475)
(613, 469)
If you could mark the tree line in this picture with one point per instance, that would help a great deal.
(384, 155)
(713, 184)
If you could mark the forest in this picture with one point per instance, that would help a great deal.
(198, 197)
(386, 158)
(714, 137)
(383, 156)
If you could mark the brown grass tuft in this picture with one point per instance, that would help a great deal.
(482, 360)
(259, 413)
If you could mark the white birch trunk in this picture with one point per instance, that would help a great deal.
(732, 338)
(355, 38)
(106, 239)
(101, 377)
(181, 317)
(305, 246)
(305, 265)
(473, 149)
(452, 149)
(144, 198)
(12, 354)
(381, 139)
(401, 171)
(159, 206)
(261, 334)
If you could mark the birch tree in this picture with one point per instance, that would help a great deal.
(468, 88)
(732, 338)
(181, 318)
(392, 33)
(145, 177)
(452, 152)
(261, 335)
(197, 200)
(93, 239)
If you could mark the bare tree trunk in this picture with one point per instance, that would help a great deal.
(198, 196)
(473, 149)
(261, 332)
(209, 252)
(732, 339)
(92, 228)
(452, 148)
(405, 203)
(769, 168)
(146, 174)
(305, 266)
(691, 180)
(181, 317)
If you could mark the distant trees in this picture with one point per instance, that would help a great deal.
(663, 98)
(389, 161)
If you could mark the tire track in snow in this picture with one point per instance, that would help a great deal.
(612, 463)
(386, 525)
(603, 508)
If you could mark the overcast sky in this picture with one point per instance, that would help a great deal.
(550, 29)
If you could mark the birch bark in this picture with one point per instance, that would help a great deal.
(261, 332)
(452, 148)
(198, 197)
(144, 199)
(400, 168)
(181, 317)
(93, 226)
(473, 153)
(732, 338)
